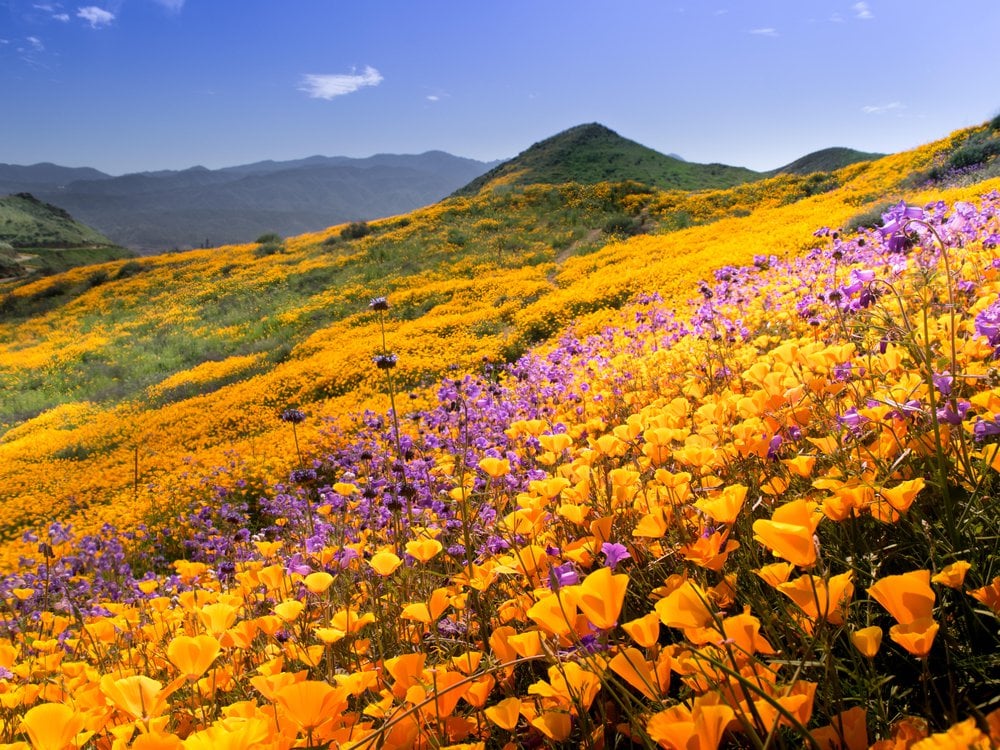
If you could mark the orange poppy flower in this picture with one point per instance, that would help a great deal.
(867, 640)
(556, 725)
(310, 703)
(952, 576)
(141, 697)
(193, 655)
(495, 467)
(847, 731)
(989, 595)
(318, 582)
(697, 728)
(743, 632)
(890, 502)
(821, 599)
(505, 713)
(526, 644)
(632, 666)
(687, 606)
(217, 618)
(289, 609)
(53, 726)
(600, 597)
(775, 573)
(569, 683)
(556, 612)
(916, 636)
(907, 597)
(157, 741)
(726, 505)
(711, 551)
(423, 549)
(230, 734)
(789, 533)
(385, 563)
(644, 630)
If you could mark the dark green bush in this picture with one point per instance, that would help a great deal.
(129, 269)
(623, 225)
(268, 248)
(355, 230)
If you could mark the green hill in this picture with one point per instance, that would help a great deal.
(588, 154)
(38, 237)
(827, 160)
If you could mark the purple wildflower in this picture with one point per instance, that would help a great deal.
(564, 575)
(774, 446)
(894, 223)
(614, 553)
(953, 416)
(988, 323)
(385, 361)
(943, 381)
(985, 428)
(293, 416)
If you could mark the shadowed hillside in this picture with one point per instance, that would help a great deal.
(39, 237)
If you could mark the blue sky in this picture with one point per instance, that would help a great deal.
(132, 85)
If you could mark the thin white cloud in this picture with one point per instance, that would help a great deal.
(328, 86)
(54, 11)
(862, 11)
(95, 16)
(766, 31)
(36, 43)
(175, 6)
(881, 109)
(837, 18)
(433, 98)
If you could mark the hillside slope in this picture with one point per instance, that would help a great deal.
(827, 160)
(592, 153)
(37, 236)
(494, 479)
(203, 349)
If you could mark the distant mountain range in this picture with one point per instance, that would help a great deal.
(152, 212)
(159, 211)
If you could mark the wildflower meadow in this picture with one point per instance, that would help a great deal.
(734, 487)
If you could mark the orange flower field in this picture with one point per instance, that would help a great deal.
(479, 481)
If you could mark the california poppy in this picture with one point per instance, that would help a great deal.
(916, 636)
(384, 563)
(53, 726)
(789, 533)
(908, 597)
(505, 713)
(867, 640)
(685, 607)
(193, 655)
(309, 703)
(697, 728)
(600, 597)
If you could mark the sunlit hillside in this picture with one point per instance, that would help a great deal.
(581, 466)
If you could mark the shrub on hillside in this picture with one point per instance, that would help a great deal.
(355, 230)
